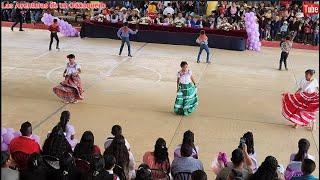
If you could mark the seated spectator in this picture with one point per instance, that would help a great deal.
(236, 168)
(307, 32)
(35, 168)
(56, 144)
(303, 146)
(199, 175)
(220, 20)
(191, 21)
(168, 10)
(168, 20)
(284, 29)
(185, 163)
(267, 170)
(190, 8)
(123, 15)
(158, 159)
(133, 17)
(67, 128)
(200, 22)
(250, 149)
(97, 171)
(24, 143)
(179, 20)
(6, 172)
(67, 170)
(86, 149)
(110, 162)
(294, 167)
(316, 33)
(225, 25)
(115, 131)
(124, 158)
(188, 138)
(308, 167)
(143, 172)
(152, 8)
(114, 17)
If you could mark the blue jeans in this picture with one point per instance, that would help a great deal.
(125, 40)
(315, 39)
(203, 47)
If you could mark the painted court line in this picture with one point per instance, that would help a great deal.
(65, 105)
(110, 71)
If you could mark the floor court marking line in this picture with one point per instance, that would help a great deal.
(134, 88)
(65, 105)
(48, 75)
(35, 127)
(110, 71)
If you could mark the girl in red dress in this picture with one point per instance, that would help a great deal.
(301, 107)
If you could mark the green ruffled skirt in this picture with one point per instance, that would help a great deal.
(187, 99)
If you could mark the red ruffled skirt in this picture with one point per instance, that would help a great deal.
(70, 89)
(301, 107)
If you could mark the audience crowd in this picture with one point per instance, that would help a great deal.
(276, 19)
(57, 159)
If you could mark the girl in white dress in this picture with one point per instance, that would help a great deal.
(187, 98)
(70, 90)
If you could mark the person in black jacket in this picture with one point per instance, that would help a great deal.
(17, 16)
(36, 169)
(56, 144)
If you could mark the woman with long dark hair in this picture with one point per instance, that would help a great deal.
(248, 136)
(188, 138)
(296, 159)
(56, 144)
(267, 170)
(158, 159)
(124, 158)
(86, 149)
(67, 128)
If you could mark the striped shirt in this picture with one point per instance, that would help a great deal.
(286, 46)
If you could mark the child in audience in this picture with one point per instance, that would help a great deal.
(6, 172)
(143, 172)
(35, 168)
(158, 159)
(308, 167)
(110, 162)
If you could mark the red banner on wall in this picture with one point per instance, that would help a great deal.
(310, 8)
